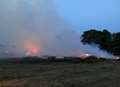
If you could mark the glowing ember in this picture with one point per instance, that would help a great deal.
(84, 55)
(31, 49)
(87, 55)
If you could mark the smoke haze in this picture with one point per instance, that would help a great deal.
(26, 22)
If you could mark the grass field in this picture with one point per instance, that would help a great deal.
(60, 74)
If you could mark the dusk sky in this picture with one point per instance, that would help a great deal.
(53, 27)
(87, 14)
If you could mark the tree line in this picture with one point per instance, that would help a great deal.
(106, 40)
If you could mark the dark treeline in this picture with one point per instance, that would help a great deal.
(54, 59)
(106, 40)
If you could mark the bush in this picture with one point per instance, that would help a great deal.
(91, 59)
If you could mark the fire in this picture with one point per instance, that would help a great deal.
(31, 49)
(85, 55)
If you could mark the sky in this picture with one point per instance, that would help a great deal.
(87, 14)
(53, 27)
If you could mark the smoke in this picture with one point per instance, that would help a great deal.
(36, 21)
(96, 51)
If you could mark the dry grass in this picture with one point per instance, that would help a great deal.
(60, 74)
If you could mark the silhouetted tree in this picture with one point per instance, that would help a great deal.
(91, 36)
(116, 43)
(104, 39)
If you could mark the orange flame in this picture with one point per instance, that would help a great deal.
(31, 48)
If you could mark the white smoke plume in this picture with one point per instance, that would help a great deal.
(26, 22)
